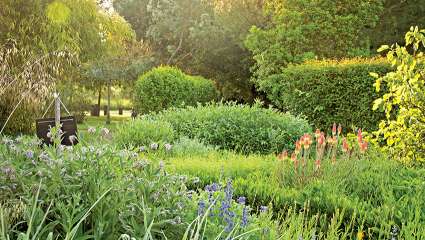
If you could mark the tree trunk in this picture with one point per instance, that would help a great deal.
(108, 116)
(99, 98)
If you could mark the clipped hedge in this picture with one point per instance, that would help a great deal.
(237, 127)
(328, 91)
(165, 87)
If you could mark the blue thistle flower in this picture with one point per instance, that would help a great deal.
(244, 221)
(201, 207)
(242, 200)
(263, 209)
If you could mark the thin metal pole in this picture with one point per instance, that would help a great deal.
(57, 111)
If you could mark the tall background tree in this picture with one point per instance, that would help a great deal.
(78, 28)
(303, 29)
(201, 37)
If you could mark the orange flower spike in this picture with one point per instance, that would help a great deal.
(321, 140)
(359, 136)
(339, 129)
(294, 159)
(307, 141)
(317, 163)
(297, 146)
(302, 140)
(283, 155)
(345, 147)
(334, 129)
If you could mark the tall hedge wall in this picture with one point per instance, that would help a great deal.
(328, 91)
(165, 87)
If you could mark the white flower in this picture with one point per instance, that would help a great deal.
(154, 146)
(104, 132)
(91, 130)
(168, 147)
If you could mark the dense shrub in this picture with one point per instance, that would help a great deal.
(404, 100)
(238, 127)
(165, 87)
(142, 132)
(328, 91)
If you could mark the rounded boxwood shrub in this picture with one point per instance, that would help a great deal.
(165, 87)
(247, 129)
(328, 91)
(143, 132)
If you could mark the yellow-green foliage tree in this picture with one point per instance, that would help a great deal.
(404, 101)
(37, 37)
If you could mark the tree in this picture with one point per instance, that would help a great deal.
(395, 19)
(302, 29)
(76, 27)
(404, 102)
(200, 37)
(219, 51)
(32, 60)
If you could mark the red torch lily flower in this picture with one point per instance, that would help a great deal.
(334, 129)
(345, 147)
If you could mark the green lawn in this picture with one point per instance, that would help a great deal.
(100, 121)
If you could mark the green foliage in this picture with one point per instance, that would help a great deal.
(302, 29)
(214, 166)
(328, 91)
(377, 192)
(166, 87)
(238, 127)
(395, 19)
(368, 193)
(404, 99)
(143, 132)
(186, 147)
(97, 191)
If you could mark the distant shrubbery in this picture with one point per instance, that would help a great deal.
(238, 127)
(328, 91)
(166, 87)
(142, 132)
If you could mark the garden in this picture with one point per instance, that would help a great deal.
(221, 120)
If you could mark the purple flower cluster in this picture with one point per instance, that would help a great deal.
(201, 208)
(225, 210)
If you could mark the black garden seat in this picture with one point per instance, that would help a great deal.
(69, 128)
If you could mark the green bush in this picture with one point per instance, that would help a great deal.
(143, 132)
(238, 127)
(404, 99)
(328, 91)
(166, 87)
